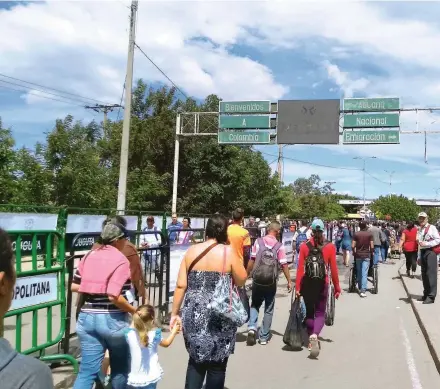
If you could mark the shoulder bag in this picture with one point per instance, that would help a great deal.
(226, 303)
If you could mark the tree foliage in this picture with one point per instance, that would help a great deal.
(400, 208)
(78, 166)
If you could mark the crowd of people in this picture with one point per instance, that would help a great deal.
(116, 325)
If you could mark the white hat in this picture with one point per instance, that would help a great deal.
(423, 214)
(257, 219)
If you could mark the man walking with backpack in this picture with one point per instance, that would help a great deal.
(266, 257)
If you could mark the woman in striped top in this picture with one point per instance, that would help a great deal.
(103, 277)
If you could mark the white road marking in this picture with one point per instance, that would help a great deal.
(415, 379)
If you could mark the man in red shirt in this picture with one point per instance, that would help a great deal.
(314, 287)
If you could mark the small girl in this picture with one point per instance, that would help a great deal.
(143, 338)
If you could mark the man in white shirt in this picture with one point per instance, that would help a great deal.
(152, 240)
(429, 240)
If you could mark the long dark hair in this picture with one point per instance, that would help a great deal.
(6, 255)
(318, 237)
(410, 225)
(217, 228)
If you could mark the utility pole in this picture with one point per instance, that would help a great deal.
(364, 170)
(105, 109)
(125, 141)
(391, 178)
(176, 165)
(280, 166)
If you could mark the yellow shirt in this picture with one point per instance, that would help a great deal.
(238, 238)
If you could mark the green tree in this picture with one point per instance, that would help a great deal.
(7, 159)
(398, 207)
(433, 214)
(33, 181)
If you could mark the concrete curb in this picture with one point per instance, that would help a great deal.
(425, 333)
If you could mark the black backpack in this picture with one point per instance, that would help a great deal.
(265, 271)
(315, 268)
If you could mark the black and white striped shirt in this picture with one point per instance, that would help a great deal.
(100, 303)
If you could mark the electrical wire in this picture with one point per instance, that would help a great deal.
(54, 89)
(44, 97)
(160, 70)
(313, 163)
(45, 92)
(326, 166)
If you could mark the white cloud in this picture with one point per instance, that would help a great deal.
(81, 47)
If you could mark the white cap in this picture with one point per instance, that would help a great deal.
(257, 219)
(423, 214)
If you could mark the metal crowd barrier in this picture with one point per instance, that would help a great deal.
(40, 288)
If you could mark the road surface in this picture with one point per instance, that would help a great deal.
(375, 343)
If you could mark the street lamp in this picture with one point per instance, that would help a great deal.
(363, 169)
(391, 177)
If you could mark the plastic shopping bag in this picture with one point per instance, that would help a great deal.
(293, 335)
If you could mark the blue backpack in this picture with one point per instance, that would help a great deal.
(301, 238)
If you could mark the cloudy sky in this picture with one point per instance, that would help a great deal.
(238, 50)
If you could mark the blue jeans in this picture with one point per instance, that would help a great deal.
(362, 266)
(98, 332)
(377, 254)
(260, 295)
(384, 251)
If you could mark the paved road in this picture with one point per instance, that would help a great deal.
(375, 343)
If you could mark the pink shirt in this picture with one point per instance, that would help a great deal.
(270, 241)
(104, 271)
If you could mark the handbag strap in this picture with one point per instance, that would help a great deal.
(200, 256)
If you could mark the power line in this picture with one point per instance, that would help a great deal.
(326, 166)
(163, 73)
(312, 163)
(43, 91)
(44, 97)
(46, 87)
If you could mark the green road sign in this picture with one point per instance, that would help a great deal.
(243, 137)
(379, 104)
(371, 137)
(371, 120)
(244, 106)
(244, 121)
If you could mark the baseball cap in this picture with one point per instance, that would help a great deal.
(113, 231)
(423, 214)
(317, 223)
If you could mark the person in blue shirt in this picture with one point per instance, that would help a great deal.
(346, 244)
(173, 227)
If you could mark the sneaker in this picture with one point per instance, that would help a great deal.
(263, 342)
(314, 346)
(421, 299)
(363, 294)
(251, 338)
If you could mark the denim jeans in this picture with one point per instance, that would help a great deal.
(384, 251)
(215, 373)
(377, 254)
(362, 266)
(98, 332)
(259, 295)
